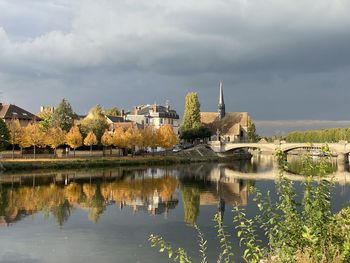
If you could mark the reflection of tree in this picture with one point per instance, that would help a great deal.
(191, 198)
(93, 200)
(3, 200)
(61, 212)
(72, 193)
(59, 200)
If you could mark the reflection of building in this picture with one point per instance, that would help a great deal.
(229, 126)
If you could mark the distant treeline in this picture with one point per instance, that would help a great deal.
(320, 136)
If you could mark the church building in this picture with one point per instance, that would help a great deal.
(226, 126)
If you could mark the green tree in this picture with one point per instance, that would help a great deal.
(95, 121)
(192, 115)
(46, 119)
(252, 136)
(114, 111)
(4, 135)
(63, 116)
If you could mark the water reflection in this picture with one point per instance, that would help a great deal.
(153, 191)
(147, 190)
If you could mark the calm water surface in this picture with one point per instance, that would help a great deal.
(107, 215)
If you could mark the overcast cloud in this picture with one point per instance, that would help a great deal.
(278, 59)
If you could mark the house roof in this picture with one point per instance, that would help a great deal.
(229, 125)
(115, 119)
(11, 111)
(127, 125)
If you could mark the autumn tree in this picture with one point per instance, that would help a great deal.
(95, 121)
(74, 138)
(167, 137)
(107, 140)
(55, 137)
(118, 138)
(46, 119)
(15, 132)
(133, 138)
(192, 116)
(114, 111)
(35, 136)
(63, 116)
(90, 140)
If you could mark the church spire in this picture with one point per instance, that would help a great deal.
(221, 106)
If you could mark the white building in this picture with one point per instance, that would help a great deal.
(155, 116)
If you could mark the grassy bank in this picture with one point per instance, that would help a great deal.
(80, 163)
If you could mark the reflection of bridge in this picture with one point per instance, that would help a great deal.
(341, 149)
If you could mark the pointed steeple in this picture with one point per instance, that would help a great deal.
(221, 106)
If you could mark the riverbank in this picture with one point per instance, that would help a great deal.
(77, 163)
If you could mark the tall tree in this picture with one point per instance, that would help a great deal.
(192, 117)
(55, 137)
(36, 136)
(4, 135)
(167, 137)
(15, 131)
(90, 140)
(74, 138)
(63, 116)
(95, 121)
(252, 136)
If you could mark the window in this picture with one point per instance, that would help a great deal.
(161, 120)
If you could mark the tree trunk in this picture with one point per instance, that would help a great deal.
(34, 152)
(74, 153)
(13, 151)
(90, 150)
(110, 153)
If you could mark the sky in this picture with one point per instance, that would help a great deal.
(285, 62)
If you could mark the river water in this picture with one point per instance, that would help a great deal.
(107, 215)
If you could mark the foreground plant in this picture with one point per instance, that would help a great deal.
(296, 229)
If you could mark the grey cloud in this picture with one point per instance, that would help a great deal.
(278, 59)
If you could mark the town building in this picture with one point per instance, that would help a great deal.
(226, 126)
(9, 112)
(155, 116)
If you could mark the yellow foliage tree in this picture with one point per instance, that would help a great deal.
(74, 138)
(133, 138)
(167, 137)
(16, 133)
(118, 138)
(90, 140)
(107, 140)
(55, 137)
(35, 136)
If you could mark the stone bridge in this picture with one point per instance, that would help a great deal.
(340, 149)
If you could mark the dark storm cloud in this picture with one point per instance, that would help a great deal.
(278, 59)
